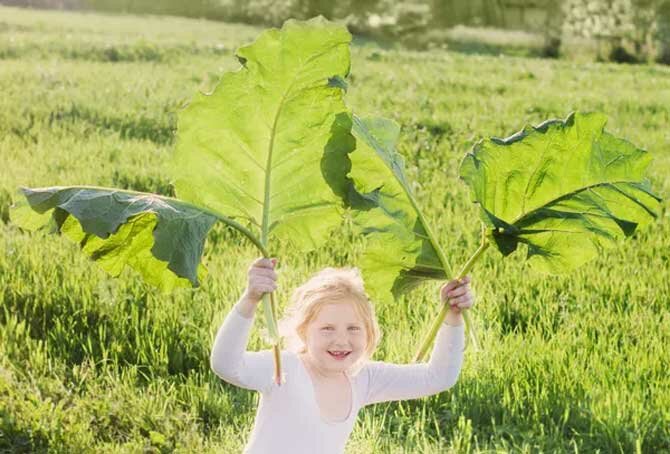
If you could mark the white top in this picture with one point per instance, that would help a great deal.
(288, 417)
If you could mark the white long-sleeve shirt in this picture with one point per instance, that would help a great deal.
(288, 419)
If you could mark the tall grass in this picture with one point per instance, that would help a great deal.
(87, 364)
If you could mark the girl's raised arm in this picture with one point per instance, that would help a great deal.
(388, 382)
(229, 359)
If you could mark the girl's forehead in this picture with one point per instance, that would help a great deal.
(338, 312)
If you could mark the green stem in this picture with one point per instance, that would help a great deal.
(429, 232)
(269, 306)
(437, 322)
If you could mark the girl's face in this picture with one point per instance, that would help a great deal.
(336, 337)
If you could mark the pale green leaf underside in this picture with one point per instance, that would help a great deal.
(255, 147)
(400, 253)
(565, 188)
(159, 237)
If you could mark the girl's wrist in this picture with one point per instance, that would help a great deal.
(453, 319)
(248, 298)
(246, 307)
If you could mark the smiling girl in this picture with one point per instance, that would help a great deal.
(332, 333)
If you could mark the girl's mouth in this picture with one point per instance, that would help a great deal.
(338, 355)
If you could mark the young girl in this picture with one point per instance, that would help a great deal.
(332, 332)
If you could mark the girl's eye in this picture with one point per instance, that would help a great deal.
(330, 328)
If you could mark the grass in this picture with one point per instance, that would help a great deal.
(87, 364)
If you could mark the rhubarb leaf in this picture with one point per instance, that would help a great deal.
(159, 237)
(401, 250)
(258, 146)
(566, 189)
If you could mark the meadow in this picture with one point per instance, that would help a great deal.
(573, 363)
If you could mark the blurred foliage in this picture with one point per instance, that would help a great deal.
(609, 30)
(619, 30)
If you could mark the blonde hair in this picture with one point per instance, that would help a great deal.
(329, 286)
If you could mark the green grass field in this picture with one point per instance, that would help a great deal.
(574, 363)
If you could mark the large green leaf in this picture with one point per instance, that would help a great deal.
(256, 147)
(401, 250)
(565, 188)
(160, 237)
(265, 146)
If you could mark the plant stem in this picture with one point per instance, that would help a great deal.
(437, 322)
(269, 306)
(269, 309)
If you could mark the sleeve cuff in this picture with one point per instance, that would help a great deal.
(242, 318)
(455, 334)
(462, 325)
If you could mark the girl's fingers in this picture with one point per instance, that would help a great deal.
(259, 262)
(450, 285)
(454, 283)
(264, 263)
(446, 288)
(455, 289)
(461, 301)
(261, 290)
(262, 286)
(264, 272)
(261, 280)
(467, 305)
(458, 291)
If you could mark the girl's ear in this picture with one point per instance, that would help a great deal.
(302, 334)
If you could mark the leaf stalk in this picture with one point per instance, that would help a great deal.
(437, 322)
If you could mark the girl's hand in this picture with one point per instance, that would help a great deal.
(261, 278)
(458, 294)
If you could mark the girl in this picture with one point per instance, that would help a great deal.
(332, 332)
